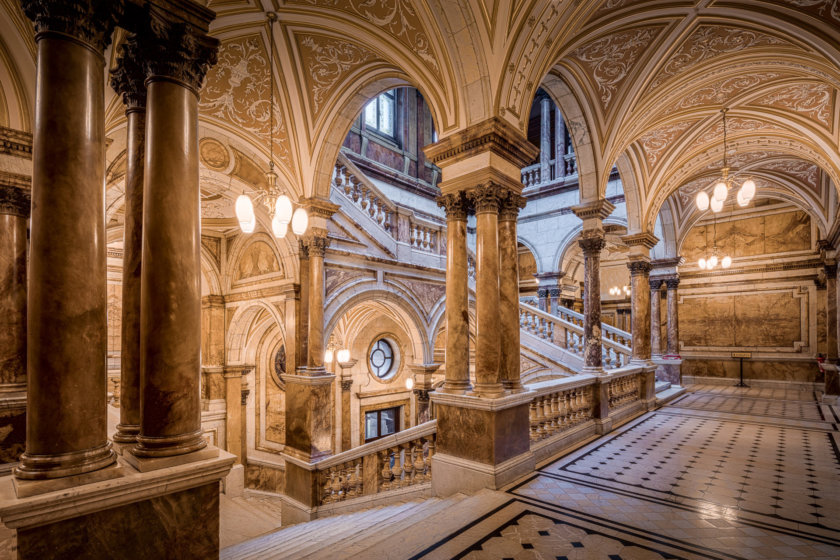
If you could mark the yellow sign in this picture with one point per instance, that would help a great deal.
(742, 354)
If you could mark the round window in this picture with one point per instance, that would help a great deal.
(381, 358)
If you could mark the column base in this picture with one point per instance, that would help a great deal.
(43, 467)
(455, 387)
(126, 433)
(169, 513)
(169, 446)
(148, 464)
(513, 386)
(597, 371)
(488, 390)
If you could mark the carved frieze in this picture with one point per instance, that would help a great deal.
(335, 278)
(427, 293)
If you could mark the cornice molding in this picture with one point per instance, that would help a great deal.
(600, 209)
(495, 135)
(645, 239)
(15, 142)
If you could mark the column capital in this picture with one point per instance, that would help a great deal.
(422, 395)
(671, 282)
(510, 206)
(644, 239)
(596, 209)
(487, 198)
(455, 205)
(639, 267)
(319, 207)
(346, 384)
(316, 242)
(89, 21)
(592, 241)
(656, 283)
(129, 77)
(830, 268)
(177, 50)
(14, 201)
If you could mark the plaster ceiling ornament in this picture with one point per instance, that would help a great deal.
(213, 154)
(215, 207)
(397, 17)
(813, 100)
(805, 171)
(328, 62)
(236, 91)
(722, 91)
(656, 141)
(538, 40)
(707, 42)
(734, 124)
(609, 60)
(818, 8)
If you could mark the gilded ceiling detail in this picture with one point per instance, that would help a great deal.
(805, 171)
(656, 141)
(734, 125)
(236, 91)
(739, 160)
(814, 100)
(396, 17)
(327, 62)
(707, 42)
(609, 60)
(722, 91)
(818, 8)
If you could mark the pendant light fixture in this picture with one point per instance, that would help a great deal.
(278, 205)
(710, 262)
(721, 189)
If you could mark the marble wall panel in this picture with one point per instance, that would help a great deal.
(485, 436)
(212, 335)
(787, 232)
(707, 321)
(265, 478)
(767, 320)
(213, 385)
(821, 322)
(275, 412)
(774, 370)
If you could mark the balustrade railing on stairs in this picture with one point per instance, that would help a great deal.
(532, 175)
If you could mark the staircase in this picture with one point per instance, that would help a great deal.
(379, 532)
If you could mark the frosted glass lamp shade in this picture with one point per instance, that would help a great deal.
(742, 198)
(702, 263)
(702, 201)
(713, 261)
(300, 221)
(726, 262)
(328, 357)
(409, 383)
(283, 209)
(343, 356)
(716, 205)
(748, 188)
(279, 228)
(245, 214)
(720, 191)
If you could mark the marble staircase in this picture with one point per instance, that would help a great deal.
(379, 532)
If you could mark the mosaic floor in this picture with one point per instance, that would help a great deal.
(721, 473)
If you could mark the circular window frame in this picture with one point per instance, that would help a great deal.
(396, 350)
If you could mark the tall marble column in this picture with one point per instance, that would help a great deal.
(14, 211)
(509, 291)
(559, 144)
(640, 310)
(457, 361)
(673, 316)
(487, 199)
(67, 307)
(317, 244)
(655, 317)
(302, 311)
(592, 242)
(831, 311)
(176, 58)
(545, 139)
(128, 80)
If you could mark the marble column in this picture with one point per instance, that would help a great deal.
(509, 292)
(176, 58)
(640, 309)
(560, 144)
(831, 312)
(457, 361)
(592, 242)
(316, 244)
(302, 325)
(14, 211)
(346, 386)
(233, 420)
(673, 316)
(545, 139)
(655, 317)
(67, 306)
(487, 199)
(128, 80)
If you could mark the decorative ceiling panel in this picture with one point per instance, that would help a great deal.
(810, 99)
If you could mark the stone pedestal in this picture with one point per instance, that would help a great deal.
(309, 432)
(481, 443)
(831, 390)
(233, 412)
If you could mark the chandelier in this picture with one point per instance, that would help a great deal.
(710, 262)
(278, 205)
(721, 189)
(616, 291)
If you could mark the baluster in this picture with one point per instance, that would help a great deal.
(398, 467)
(419, 467)
(430, 451)
(387, 473)
(408, 465)
(532, 414)
(373, 203)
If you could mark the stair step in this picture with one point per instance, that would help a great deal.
(662, 386)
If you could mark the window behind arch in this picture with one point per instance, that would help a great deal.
(381, 358)
(380, 113)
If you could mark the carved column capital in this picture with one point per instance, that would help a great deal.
(672, 282)
(656, 284)
(592, 242)
(422, 395)
(244, 397)
(15, 201)
(303, 248)
(316, 243)
(346, 384)
(176, 51)
(639, 267)
(510, 206)
(455, 205)
(487, 198)
(89, 21)
(129, 77)
(830, 270)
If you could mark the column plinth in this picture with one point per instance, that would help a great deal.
(457, 361)
(175, 57)
(67, 301)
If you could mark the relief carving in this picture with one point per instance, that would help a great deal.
(337, 277)
(813, 100)
(257, 260)
(654, 142)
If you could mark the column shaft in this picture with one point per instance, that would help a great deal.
(488, 316)
(545, 139)
(640, 309)
(655, 318)
(233, 422)
(317, 245)
(67, 332)
(302, 326)
(673, 317)
(128, 80)
(592, 242)
(560, 144)
(14, 209)
(509, 292)
(457, 361)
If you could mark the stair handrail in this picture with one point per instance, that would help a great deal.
(382, 444)
(386, 209)
(612, 333)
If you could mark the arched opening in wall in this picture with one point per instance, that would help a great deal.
(528, 282)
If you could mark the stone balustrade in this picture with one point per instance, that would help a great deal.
(560, 410)
(566, 331)
(532, 175)
(623, 390)
(365, 196)
(391, 463)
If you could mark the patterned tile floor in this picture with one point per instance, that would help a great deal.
(722, 473)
